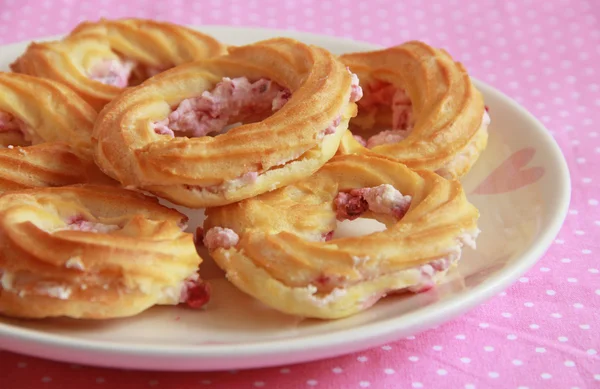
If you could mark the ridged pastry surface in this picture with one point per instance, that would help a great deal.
(275, 246)
(288, 145)
(91, 252)
(45, 135)
(450, 124)
(147, 46)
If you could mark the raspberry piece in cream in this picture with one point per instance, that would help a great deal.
(384, 199)
(195, 293)
(78, 223)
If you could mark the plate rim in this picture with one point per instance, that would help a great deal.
(380, 331)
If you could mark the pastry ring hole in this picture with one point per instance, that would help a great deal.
(229, 104)
(15, 132)
(385, 115)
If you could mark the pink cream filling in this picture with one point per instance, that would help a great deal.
(78, 223)
(112, 72)
(212, 110)
(218, 237)
(384, 199)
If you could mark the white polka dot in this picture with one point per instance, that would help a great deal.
(556, 315)
(437, 348)
(597, 377)
(534, 326)
(469, 386)
(506, 314)
(524, 279)
(362, 358)
(522, 387)
(493, 374)
(46, 379)
(569, 363)
(259, 384)
(545, 376)
(460, 337)
(563, 339)
(586, 251)
(389, 371)
(411, 337)
(517, 362)
(544, 269)
(337, 370)
(572, 280)
(312, 382)
(417, 385)
(285, 370)
(584, 326)
(586, 180)
(442, 372)
(488, 348)
(593, 202)
(593, 270)
(465, 360)
(580, 160)
(364, 384)
(540, 350)
(559, 241)
(413, 358)
(511, 336)
(566, 260)
(528, 304)
(597, 292)
(484, 325)
(550, 292)
(578, 305)
(591, 352)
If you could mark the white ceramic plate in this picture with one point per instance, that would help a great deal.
(520, 184)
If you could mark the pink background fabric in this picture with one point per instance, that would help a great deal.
(542, 332)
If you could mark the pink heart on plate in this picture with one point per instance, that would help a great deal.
(510, 175)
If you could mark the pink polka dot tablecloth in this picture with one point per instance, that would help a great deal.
(542, 332)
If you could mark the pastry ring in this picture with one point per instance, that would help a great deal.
(45, 131)
(154, 136)
(277, 247)
(93, 252)
(419, 107)
(98, 59)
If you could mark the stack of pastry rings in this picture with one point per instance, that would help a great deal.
(45, 131)
(450, 120)
(98, 59)
(134, 135)
(93, 252)
(277, 247)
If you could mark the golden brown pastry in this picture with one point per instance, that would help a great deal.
(45, 131)
(419, 107)
(295, 100)
(93, 252)
(278, 247)
(98, 59)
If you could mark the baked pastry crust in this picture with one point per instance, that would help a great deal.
(275, 246)
(450, 120)
(142, 47)
(91, 252)
(45, 134)
(204, 171)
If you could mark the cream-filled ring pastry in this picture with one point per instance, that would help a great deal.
(280, 247)
(419, 107)
(98, 59)
(45, 135)
(93, 252)
(176, 135)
